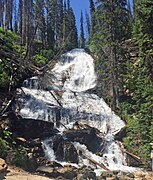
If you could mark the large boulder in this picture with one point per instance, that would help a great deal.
(32, 129)
(64, 150)
(84, 136)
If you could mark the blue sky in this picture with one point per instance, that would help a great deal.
(77, 6)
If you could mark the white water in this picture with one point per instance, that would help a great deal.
(73, 76)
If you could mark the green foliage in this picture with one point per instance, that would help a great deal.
(140, 85)
(4, 147)
(4, 144)
(12, 41)
(20, 157)
(40, 60)
(139, 111)
(4, 79)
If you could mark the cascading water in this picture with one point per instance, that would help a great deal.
(61, 97)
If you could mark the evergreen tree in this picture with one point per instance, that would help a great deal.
(40, 21)
(65, 23)
(112, 28)
(82, 38)
(59, 21)
(49, 22)
(140, 84)
(73, 37)
(88, 23)
(92, 14)
(70, 36)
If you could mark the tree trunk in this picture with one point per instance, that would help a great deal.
(6, 15)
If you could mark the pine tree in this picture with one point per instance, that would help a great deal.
(88, 23)
(70, 36)
(59, 21)
(82, 38)
(112, 28)
(40, 21)
(92, 14)
(73, 38)
(49, 22)
(140, 84)
(65, 23)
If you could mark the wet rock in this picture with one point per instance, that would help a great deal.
(86, 174)
(131, 161)
(64, 150)
(3, 166)
(84, 136)
(32, 129)
(121, 134)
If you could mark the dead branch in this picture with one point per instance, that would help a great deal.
(134, 156)
(56, 99)
(95, 162)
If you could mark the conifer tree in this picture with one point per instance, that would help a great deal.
(112, 28)
(49, 23)
(140, 84)
(73, 38)
(82, 38)
(70, 36)
(92, 14)
(40, 21)
(88, 23)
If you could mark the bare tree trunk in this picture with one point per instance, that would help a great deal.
(6, 15)
(11, 14)
(1, 12)
(20, 14)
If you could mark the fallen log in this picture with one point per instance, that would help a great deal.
(95, 162)
(137, 157)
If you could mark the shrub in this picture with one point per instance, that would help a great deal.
(20, 157)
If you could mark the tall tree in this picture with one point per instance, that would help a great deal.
(82, 38)
(72, 40)
(20, 15)
(88, 22)
(92, 14)
(140, 83)
(40, 21)
(15, 17)
(1, 13)
(59, 21)
(49, 23)
(6, 14)
(10, 10)
(112, 28)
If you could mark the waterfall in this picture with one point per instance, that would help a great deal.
(61, 96)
